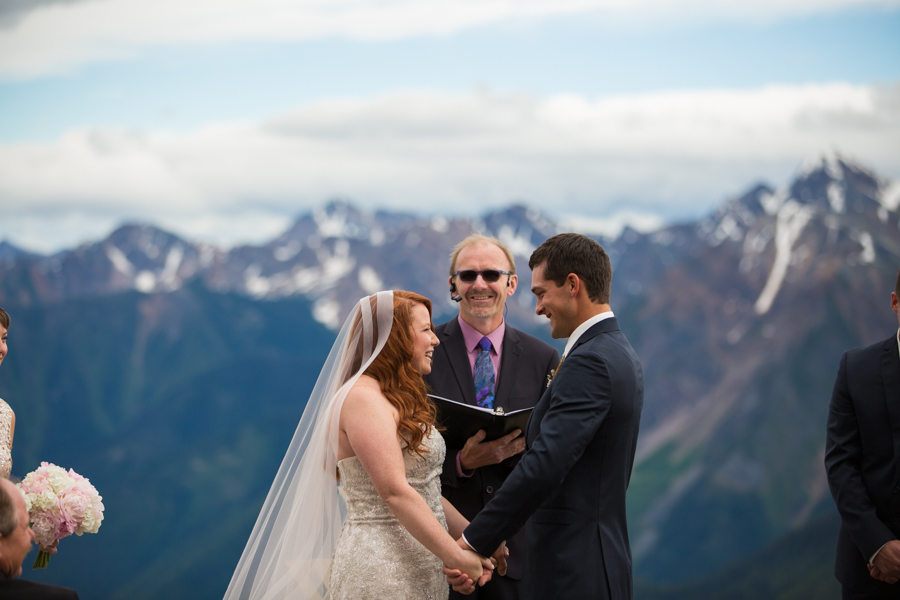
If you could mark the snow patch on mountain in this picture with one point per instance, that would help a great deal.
(889, 195)
(830, 162)
(791, 220)
(728, 229)
(169, 275)
(254, 284)
(612, 226)
(867, 256)
(119, 260)
(145, 282)
(771, 202)
(327, 312)
(518, 243)
(440, 224)
(369, 280)
(288, 251)
(836, 197)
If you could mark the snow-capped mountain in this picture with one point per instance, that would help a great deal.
(739, 319)
(333, 255)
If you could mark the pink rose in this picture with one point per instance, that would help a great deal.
(46, 526)
(74, 504)
(36, 482)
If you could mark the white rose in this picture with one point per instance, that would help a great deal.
(46, 501)
(59, 479)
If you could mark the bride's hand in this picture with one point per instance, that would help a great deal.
(476, 567)
(470, 568)
(470, 564)
(463, 583)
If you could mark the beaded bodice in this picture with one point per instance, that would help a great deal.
(422, 473)
(6, 416)
(376, 557)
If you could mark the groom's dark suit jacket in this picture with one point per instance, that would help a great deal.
(526, 363)
(572, 480)
(862, 458)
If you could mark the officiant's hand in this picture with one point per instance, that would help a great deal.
(477, 453)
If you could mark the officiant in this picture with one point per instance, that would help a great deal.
(483, 361)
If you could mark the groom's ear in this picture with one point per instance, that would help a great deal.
(573, 282)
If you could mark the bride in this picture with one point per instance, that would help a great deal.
(368, 430)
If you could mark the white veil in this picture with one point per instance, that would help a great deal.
(288, 555)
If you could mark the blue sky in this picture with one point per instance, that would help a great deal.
(206, 117)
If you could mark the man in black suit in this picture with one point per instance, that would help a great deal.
(482, 277)
(15, 543)
(570, 485)
(862, 457)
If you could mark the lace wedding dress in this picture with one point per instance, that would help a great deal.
(5, 440)
(376, 557)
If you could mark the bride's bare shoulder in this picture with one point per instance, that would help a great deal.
(365, 382)
(366, 395)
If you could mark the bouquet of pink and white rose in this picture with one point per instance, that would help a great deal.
(59, 503)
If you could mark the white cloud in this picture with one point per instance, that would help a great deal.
(55, 37)
(612, 225)
(456, 154)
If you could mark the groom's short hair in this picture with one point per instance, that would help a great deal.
(575, 253)
(897, 285)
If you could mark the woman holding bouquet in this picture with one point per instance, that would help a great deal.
(7, 416)
(368, 429)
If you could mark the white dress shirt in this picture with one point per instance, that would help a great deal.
(579, 331)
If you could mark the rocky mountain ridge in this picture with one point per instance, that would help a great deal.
(739, 320)
(332, 255)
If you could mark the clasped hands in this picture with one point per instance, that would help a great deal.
(886, 566)
(463, 583)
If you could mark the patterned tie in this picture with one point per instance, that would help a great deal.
(484, 375)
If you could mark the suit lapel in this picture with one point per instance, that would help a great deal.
(534, 427)
(604, 326)
(458, 356)
(534, 422)
(509, 366)
(890, 374)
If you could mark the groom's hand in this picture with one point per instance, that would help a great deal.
(886, 566)
(459, 581)
(499, 558)
(477, 453)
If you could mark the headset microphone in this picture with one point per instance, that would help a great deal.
(453, 295)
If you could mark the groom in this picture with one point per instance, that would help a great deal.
(570, 485)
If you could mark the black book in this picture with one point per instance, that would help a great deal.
(461, 421)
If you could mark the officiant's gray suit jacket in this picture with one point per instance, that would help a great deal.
(570, 484)
(526, 363)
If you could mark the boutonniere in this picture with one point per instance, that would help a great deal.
(555, 371)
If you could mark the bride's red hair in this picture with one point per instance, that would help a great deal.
(400, 383)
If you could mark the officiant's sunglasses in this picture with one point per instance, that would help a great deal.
(489, 276)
